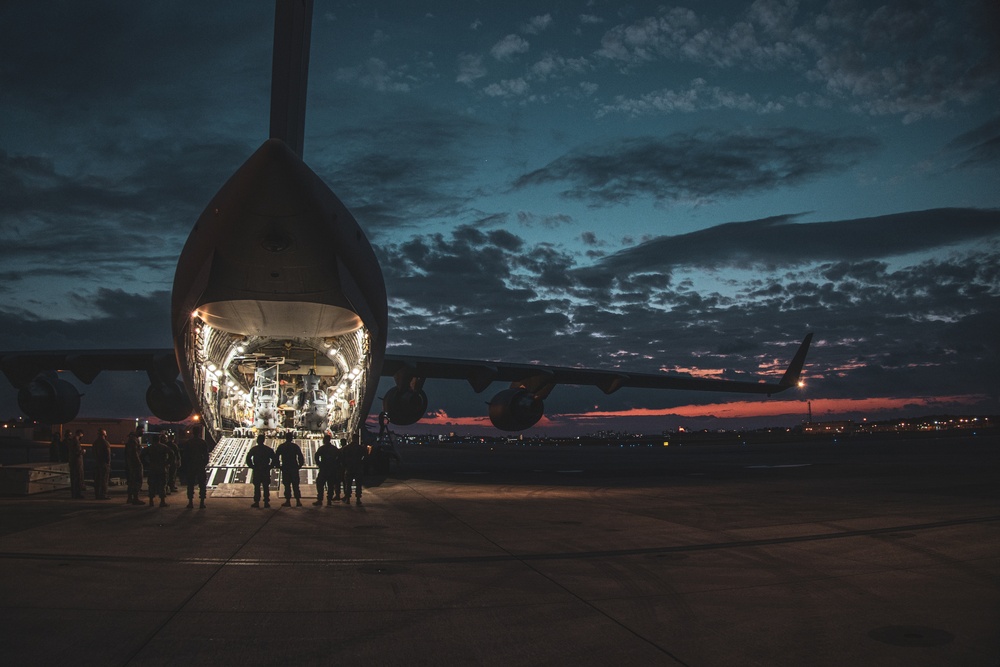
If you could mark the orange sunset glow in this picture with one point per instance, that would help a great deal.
(731, 414)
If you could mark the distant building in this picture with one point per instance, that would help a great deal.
(829, 428)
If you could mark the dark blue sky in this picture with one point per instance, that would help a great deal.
(634, 185)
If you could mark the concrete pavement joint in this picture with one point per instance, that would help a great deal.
(221, 564)
(568, 591)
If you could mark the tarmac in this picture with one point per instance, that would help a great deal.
(807, 553)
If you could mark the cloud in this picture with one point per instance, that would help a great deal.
(907, 60)
(553, 65)
(470, 68)
(780, 242)
(509, 46)
(650, 37)
(376, 74)
(401, 172)
(911, 61)
(537, 24)
(979, 147)
(884, 329)
(699, 96)
(679, 34)
(115, 318)
(128, 227)
(507, 88)
(120, 63)
(702, 165)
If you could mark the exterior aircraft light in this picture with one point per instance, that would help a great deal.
(802, 383)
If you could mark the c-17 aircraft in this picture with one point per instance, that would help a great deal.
(279, 310)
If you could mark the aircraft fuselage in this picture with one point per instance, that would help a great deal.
(279, 307)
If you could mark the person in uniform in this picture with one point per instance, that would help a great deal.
(101, 449)
(158, 457)
(133, 466)
(260, 459)
(174, 465)
(194, 457)
(291, 461)
(330, 472)
(353, 458)
(74, 453)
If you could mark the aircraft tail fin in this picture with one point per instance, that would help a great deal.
(290, 71)
(791, 376)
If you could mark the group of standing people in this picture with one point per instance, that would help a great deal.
(70, 450)
(162, 461)
(339, 468)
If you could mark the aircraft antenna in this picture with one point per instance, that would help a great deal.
(290, 71)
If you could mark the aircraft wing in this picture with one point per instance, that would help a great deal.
(21, 367)
(480, 374)
(44, 396)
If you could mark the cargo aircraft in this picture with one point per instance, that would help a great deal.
(279, 311)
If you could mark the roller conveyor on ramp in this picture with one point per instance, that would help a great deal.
(227, 462)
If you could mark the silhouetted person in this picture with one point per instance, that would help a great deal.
(74, 452)
(174, 465)
(330, 471)
(133, 468)
(291, 461)
(339, 483)
(194, 457)
(158, 457)
(101, 449)
(353, 458)
(260, 459)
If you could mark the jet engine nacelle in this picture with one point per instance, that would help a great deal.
(169, 401)
(515, 410)
(404, 406)
(48, 399)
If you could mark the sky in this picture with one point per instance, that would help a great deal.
(684, 188)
